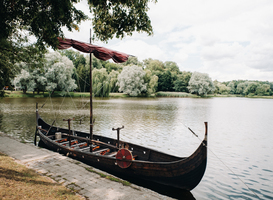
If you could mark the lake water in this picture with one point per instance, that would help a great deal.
(240, 140)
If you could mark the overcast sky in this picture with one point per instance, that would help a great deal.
(228, 39)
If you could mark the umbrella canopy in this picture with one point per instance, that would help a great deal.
(99, 52)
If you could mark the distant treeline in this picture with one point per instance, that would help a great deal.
(170, 78)
(57, 73)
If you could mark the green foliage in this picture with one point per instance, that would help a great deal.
(12, 50)
(171, 66)
(83, 78)
(262, 90)
(44, 19)
(232, 85)
(165, 81)
(112, 66)
(76, 57)
(152, 82)
(201, 84)
(113, 81)
(132, 60)
(96, 63)
(221, 88)
(244, 88)
(119, 18)
(241, 88)
(131, 80)
(251, 88)
(2, 93)
(101, 83)
(54, 75)
(182, 82)
(153, 65)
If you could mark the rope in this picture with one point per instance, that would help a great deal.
(223, 162)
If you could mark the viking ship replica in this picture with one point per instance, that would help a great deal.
(120, 158)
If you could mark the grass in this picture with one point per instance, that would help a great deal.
(176, 94)
(125, 183)
(118, 95)
(19, 94)
(19, 182)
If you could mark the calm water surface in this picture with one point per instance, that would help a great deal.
(240, 157)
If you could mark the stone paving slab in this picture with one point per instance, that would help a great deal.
(72, 173)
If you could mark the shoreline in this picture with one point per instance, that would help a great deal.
(19, 94)
(89, 182)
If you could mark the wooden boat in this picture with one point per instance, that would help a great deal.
(124, 159)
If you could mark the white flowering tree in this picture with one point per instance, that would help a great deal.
(201, 84)
(55, 74)
(24, 81)
(58, 72)
(131, 80)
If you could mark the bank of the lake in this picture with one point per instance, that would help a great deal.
(19, 182)
(42, 174)
(20, 94)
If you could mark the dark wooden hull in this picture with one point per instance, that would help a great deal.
(154, 166)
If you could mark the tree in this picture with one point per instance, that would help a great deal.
(31, 78)
(132, 60)
(24, 81)
(112, 66)
(152, 82)
(56, 74)
(118, 18)
(44, 19)
(241, 88)
(201, 84)
(15, 50)
(101, 83)
(251, 88)
(171, 66)
(262, 89)
(221, 88)
(131, 80)
(83, 77)
(182, 82)
(231, 85)
(113, 81)
(76, 57)
(153, 65)
(165, 81)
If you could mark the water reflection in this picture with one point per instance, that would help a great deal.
(1, 118)
(240, 159)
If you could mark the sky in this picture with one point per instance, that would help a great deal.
(227, 39)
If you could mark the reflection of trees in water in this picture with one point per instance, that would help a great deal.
(1, 118)
(18, 124)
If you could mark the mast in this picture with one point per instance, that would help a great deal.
(91, 104)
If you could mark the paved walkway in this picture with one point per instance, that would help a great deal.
(73, 173)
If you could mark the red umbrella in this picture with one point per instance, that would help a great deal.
(99, 52)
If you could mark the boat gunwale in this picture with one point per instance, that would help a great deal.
(180, 159)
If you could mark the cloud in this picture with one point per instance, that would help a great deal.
(226, 39)
(139, 48)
